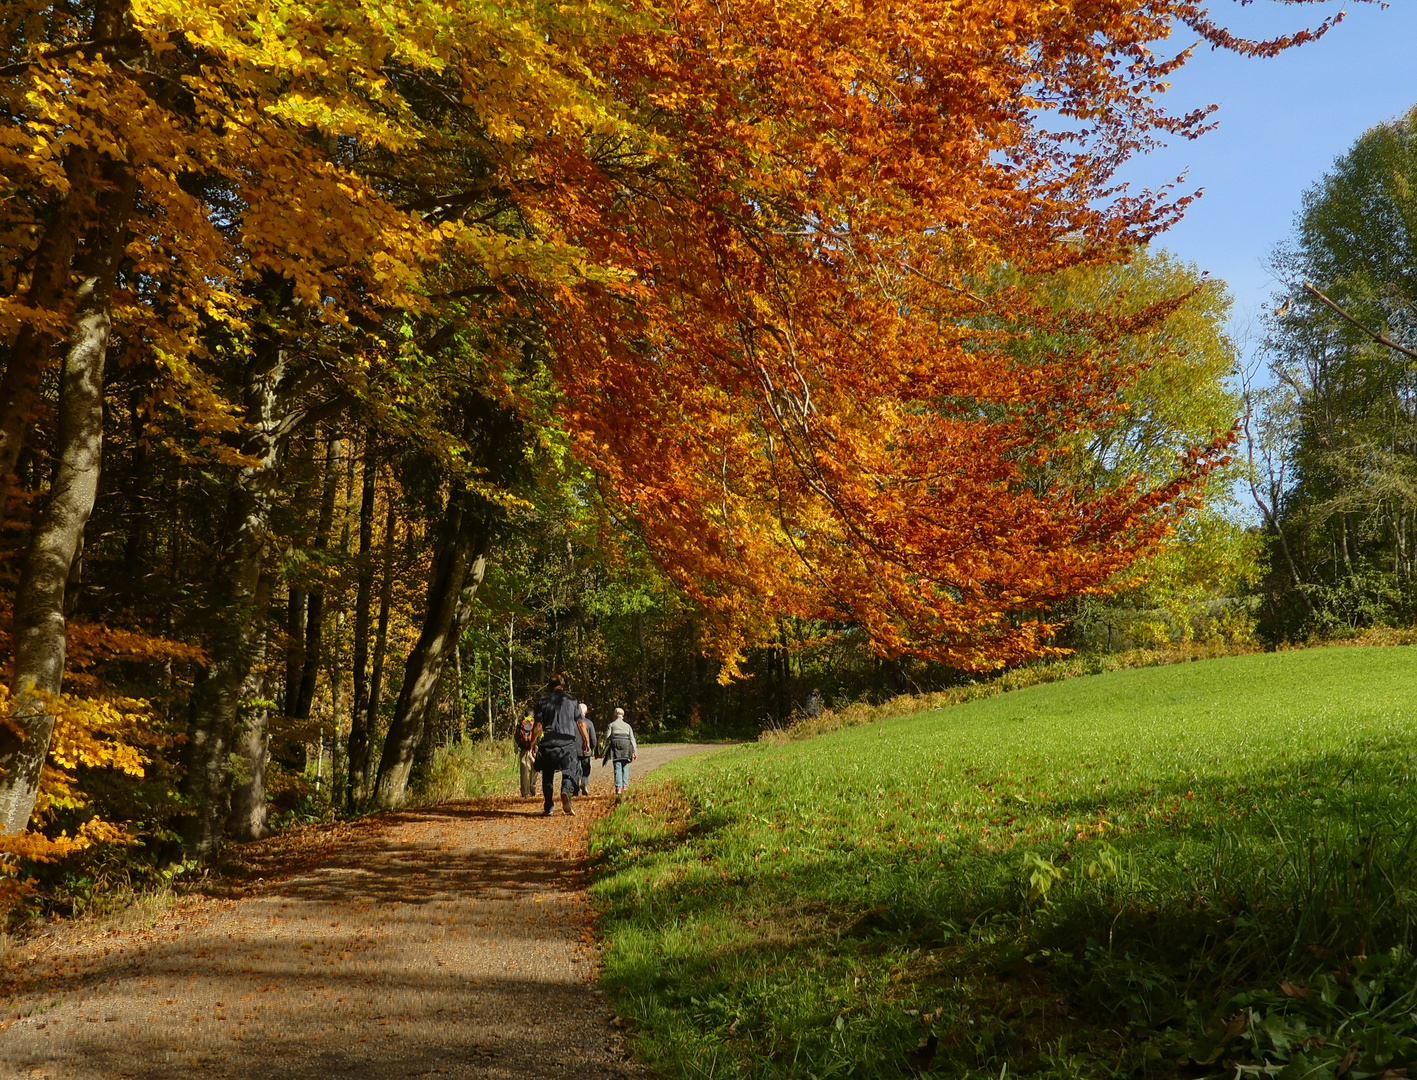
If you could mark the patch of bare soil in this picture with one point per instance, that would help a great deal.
(452, 941)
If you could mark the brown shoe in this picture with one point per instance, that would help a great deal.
(566, 803)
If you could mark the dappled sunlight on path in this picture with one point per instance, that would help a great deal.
(449, 941)
(446, 941)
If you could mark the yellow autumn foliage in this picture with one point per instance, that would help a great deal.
(89, 733)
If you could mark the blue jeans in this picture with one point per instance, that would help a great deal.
(622, 773)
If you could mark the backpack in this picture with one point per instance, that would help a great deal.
(523, 734)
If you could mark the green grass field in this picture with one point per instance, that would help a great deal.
(1185, 871)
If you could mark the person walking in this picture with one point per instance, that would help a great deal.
(525, 737)
(621, 748)
(590, 753)
(561, 740)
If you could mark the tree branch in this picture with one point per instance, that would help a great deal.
(1381, 339)
(131, 41)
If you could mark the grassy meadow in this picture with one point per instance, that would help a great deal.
(1195, 870)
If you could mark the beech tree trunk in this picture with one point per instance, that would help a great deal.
(294, 648)
(238, 631)
(49, 283)
(358, 751)
(315, 603)
(459, 567)
(428, 739)
(439, 722)
(250, 816)
(376, 675)
(39, 624)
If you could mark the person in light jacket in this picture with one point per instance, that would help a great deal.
(589, 754)
(621, 748)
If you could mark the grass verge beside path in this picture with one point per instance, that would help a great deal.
(1165, 871)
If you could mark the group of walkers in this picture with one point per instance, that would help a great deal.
(560, 737)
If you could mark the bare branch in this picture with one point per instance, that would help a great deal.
(1381, 339)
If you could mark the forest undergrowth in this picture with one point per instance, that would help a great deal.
(467, 770)
(1191, 870)
(123, 882)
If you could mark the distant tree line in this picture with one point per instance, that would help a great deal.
(1333, 424)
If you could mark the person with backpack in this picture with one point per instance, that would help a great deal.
(561, 740)
(586, 757)
(620, 747)
(525, 737)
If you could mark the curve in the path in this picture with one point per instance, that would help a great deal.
(653, 755)
(453, 941)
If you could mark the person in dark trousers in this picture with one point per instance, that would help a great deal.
(525, 736)
(586, 758)
(563, 739)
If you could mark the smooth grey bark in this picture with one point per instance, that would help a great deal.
(33, 346)
(250, 816)
(438, 721)
(429, 737)
(40, 628)
(458, 569)
(238, 629)
(334, 670)
(358, 748)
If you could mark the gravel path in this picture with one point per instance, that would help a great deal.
(452, 941)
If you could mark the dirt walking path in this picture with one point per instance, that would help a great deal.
(452, 941)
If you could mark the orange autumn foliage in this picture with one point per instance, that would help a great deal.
(815, 390)
(769, 250)
(761, 237)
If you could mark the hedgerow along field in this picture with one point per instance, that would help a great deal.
(1166, 871)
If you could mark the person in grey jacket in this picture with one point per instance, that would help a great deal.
(620, 747)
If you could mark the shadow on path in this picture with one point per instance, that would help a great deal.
(446, 941)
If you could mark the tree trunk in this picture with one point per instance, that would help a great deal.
(249, 818)
(431, 736)
(358, 731)
(460, 565)
(438, 720)
(137, 550)
(49, 282)
(334, 669)
(294, 649)
(39, 625)
(237, 625)
(459, 714)
(360, 758)
(315, 605)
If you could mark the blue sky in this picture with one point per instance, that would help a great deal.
(1282, 121)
